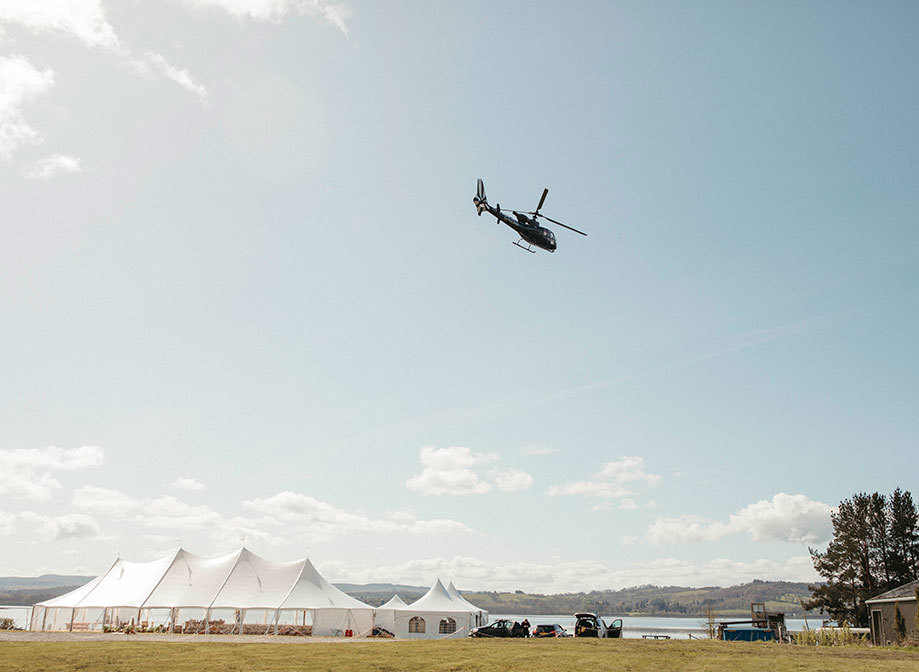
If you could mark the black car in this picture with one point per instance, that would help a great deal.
(591, 625)
(501, 628)
(553, 630)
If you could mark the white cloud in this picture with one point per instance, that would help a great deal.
(511, 480)
(274, 10)
(156, 63)
(590, 489)
(103, 501)
(790, 518)
(57, 163)
(7, 523)
(240, 531)
(539, 450)
(189, 484)
(627, 470)
(25, 473)
(53, 457)
(609, 482)
(685, 529)
(628, 504)
(433, 526)
(322, 520)
(169, 512)
(793, 518)
(86, 20)
(20, 83)
(83, 19)
(70, 526)
(446, 471)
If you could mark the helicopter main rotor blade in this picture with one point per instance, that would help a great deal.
(542, 200)
(570, 228)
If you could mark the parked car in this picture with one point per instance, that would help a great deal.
(500, 628)
(591, 625)
(553, 630)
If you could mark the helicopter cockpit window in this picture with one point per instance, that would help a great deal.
(551, 235)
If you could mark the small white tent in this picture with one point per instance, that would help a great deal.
(385, 615)
(435, 615)
(239, 592)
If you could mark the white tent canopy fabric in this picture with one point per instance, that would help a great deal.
(455, 594)
(438, 614)
(238, 592)
(385, 615)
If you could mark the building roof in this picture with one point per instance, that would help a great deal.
(905, 592)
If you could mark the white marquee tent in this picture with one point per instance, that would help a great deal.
(385, 615)
(438, 614)
(239, 592)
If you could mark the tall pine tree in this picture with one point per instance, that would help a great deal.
(875, 547)
(904, 537)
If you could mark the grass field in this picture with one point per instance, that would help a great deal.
(575, 655)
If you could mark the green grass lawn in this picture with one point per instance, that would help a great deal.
(575, 655)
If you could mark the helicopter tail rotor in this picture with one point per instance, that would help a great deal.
(479, 199)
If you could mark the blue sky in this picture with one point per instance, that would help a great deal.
(244, 293)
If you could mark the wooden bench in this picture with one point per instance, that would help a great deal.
(79, 627)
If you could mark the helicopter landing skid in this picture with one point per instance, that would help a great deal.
(524, 247)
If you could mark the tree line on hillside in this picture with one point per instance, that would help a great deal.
(875, 548)
(26, 597)
(649, 600)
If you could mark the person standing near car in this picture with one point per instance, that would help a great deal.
(526, 627)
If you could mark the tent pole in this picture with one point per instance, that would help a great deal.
(73, 615)
(277, 616)
(207, 621)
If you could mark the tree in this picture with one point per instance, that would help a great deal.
(904, 537)
(711, 621)
(878, 527)
(875, 547)
(846, 564)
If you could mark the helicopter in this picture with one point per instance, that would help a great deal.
(530, 230)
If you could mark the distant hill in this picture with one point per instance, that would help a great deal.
(376, 594)
(651, 600)
(645, 600)
(27, 590)
(43, 581)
